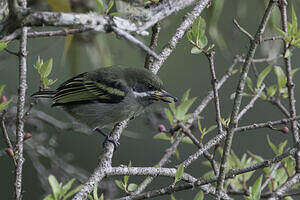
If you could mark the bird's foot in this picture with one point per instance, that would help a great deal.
(108, 138)
(112, 140)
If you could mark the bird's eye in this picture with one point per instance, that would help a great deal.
(150, 87)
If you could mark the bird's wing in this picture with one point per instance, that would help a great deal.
(82, 89)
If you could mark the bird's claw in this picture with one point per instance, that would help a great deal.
(112, 140)
(108, 138)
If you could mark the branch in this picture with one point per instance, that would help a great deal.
(104, 165)
(238, 95)
(153, 44)
(252, 101)
(290, 84)
(20, 108)
(149, 171)
(36, 34)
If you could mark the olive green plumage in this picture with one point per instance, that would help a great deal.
(108, 95)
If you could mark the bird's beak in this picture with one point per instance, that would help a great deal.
(163, 96)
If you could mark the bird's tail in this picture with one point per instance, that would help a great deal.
(44, 94)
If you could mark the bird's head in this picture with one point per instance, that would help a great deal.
(146, 86)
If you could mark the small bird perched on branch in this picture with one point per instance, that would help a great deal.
(108, 95)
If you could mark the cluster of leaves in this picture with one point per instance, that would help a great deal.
(239, 182)
(3, 104)
(104, 8)
(286, 170)
(177, 115)
(280, 88)
(196, 36)
(44, 70)
(60, 191)
(292, 37)
(125, 185)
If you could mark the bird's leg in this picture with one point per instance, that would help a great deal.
(108, 138)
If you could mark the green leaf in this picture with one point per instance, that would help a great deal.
(110, 5)
(263, 75)
(288, 53)
(256, 188)
(273, 147)
(281, 32)
(281, 78)
(211, 128)
(256, 157)
(132, 187)
(196, 50)
(271, 90)
(182, 109)
(172, 107)
(294, 21)
(179, 173)
(102, 197)
(95, 191)
(55, 186)
(120, 184)
(288, 198)
(186, 95)
(172, 197)
(162, 136)
(100, 6)
(1, 89)
(4, 105)
(72, 192)
(202, 42)
(198, 28)
(46, 68)
(281, 147)
(187, 140)
(249, 83)
(199, 196)
(67, 187)
(295, 70)
(3, 45)
(49, 197)
(169, 115)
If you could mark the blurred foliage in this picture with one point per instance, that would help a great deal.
(60, 191)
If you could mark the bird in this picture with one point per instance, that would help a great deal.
(108, 95)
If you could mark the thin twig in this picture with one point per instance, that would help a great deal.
(252, 101)
(265, 125)
(134, 41)
(6, 137)
(214, 82)
(243, 30)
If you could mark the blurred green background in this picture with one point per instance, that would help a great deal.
(181, 71)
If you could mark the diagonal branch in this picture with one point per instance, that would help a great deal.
(238, 96)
